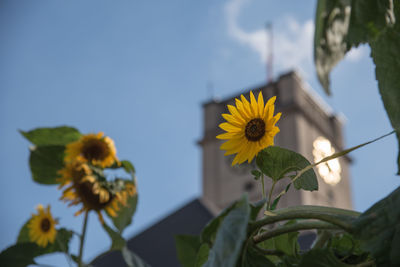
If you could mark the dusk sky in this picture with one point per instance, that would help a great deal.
(139, 71)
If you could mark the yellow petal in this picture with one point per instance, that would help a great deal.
(235, 112)
(270, 103)
(242, 110)
(260, 105)
(253, 104)
(233, 120)
(246, 105)
(228, 135)
(229, 127)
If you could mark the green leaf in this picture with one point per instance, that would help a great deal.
(321, 258)
(276, 201)
(342, 24)
(133, 260)
(255, 209)
(385, 53)
(253, 258)
(125, 213)
(117, 241)
(331, 26)
(209, 232)
(23, 253)
(257, 174)
(23, 236)
(59, 136)
(230, 236)
(19, 255)
(347, 248)
(202, 255)
(368, 19)
(45, 162)
(275, 162)
(287, 243)
(187, 247)
(378, 230)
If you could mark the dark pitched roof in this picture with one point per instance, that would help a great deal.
(156, 244)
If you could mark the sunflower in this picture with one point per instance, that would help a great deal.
(83, 188)
(42, 227)
(97, 149)
(249, 128)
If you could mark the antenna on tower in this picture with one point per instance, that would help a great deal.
(270, 53)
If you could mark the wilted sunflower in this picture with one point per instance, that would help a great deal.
(42, 228)
(85, 189)
(249, 128)
(97, 149)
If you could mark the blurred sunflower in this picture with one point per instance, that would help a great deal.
(85, 189)
(97, 149)
(249, 128)
(42, 227)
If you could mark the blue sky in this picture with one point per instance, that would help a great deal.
(138, 71)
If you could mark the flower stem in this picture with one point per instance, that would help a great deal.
(292, 228)
(338, 217)
(263, 186)
(270, 195)
(82, 239)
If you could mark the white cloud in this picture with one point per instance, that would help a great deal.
(293, 41)
(356, 53)
(292, 45)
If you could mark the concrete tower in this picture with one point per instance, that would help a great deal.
(307, 126)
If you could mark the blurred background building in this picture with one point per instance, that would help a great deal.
(308, 126)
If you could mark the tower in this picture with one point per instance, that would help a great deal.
(307, 126)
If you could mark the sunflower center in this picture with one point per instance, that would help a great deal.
(255, 129)
(45, 225)
(95, 149)
(90, 199)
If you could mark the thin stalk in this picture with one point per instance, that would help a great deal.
(263, 186)
(270, 195)
(321, 239)
(283, 229)
(339, 217)
(82, 239)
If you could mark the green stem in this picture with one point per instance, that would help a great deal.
(82, 239)
(270, 195)
(283, 229)
(321, 239)
(339, 217)
(263, 186)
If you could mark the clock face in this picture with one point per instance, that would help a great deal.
(330, 170)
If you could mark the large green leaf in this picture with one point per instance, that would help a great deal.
(45, 162)
(209, 232)
(378, 230)
(52, 136)
(117, 241)
(230, 236)
(187, 247)
(24, 252)
(385, 53)
(342, 24)
(331, 26)
(368, 19)
(276, 162)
